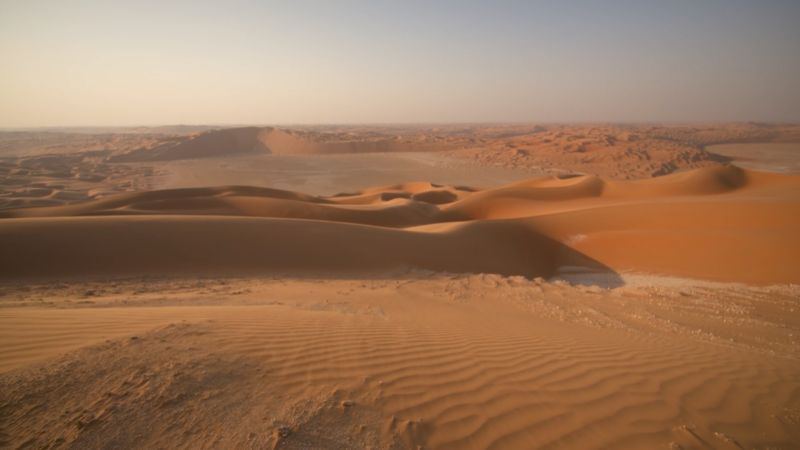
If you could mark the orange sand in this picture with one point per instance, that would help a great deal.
(410, 315)
(725, 224)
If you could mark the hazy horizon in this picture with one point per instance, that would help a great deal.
(93, 64)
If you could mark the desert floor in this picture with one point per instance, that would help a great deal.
(505, 287)
(397, 361)
(333, 174)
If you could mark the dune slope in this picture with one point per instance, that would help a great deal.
(231, 141)
(721, 223)
(192, 244)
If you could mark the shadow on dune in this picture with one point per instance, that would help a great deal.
(710, 223)
(207, 245)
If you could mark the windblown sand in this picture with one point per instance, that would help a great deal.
(571, 311)
(348, 332)
(405, 361)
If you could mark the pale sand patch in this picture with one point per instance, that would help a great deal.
(331, 174)
(783, 157)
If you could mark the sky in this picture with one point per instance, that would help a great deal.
(114, 63)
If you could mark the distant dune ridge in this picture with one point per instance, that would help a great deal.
(613, 151)
(721, 223)
(233, 141)
(237, 141)
(50, 167)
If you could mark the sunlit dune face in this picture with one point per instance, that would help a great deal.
(707, 223)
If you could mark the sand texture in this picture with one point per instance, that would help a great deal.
(426, 287)
(420, 360)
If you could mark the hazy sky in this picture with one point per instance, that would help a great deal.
(259, 62)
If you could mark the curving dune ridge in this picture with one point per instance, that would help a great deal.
(722, 223)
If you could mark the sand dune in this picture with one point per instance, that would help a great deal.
(50, 167)
(237, 141)
(724, 223)
(191, 244)
(227, 142)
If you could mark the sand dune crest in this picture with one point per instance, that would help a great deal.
(708, 223)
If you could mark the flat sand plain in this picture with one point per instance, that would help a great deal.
(771, 156)
(333, 174)
(287, 305)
